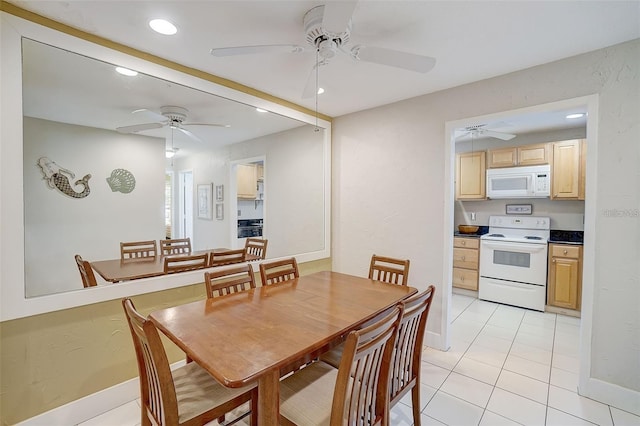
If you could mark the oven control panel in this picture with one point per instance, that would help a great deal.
(529, 222)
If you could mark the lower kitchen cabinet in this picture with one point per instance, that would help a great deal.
(466, 255)
(564, 284)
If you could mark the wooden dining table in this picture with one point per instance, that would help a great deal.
(116, 270)
(256, 335)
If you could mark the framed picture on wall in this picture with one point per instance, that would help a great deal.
(205, 201)
(219, 211)
(219, 193)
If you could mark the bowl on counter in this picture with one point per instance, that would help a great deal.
(468, 229)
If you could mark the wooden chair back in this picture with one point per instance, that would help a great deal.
(407, 356)
(175, 246)
(256, 248)
(86, 272)
(361, 395)
(278, 271)
(389, 270)
(234, 279)
(174, 264)
(138, 249)
(158, 394)
(227, 257)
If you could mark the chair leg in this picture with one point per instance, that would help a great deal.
(415, 403)
(254, 407)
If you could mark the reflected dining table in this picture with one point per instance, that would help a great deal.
(257, 335)
(116, 270)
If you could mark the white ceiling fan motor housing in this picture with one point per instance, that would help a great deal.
(325, 42)
(175, 114)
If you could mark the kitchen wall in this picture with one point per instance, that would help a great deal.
(390, 187)
(250, 209)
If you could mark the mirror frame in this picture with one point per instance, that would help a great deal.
(13, 303)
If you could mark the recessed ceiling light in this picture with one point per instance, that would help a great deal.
(163, 27)
(320, 90)
(578, 115)
(261, 110)
(126, 71)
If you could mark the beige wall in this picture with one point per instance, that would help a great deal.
(51, 359)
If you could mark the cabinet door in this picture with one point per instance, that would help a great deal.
(470, 176)
(532, 155)
(566, 170)
(247, 184)
(583, 169)
(564, 279)
(505, 157)
(465, 278)
(465, 258)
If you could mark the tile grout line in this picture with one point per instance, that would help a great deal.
(553, 345)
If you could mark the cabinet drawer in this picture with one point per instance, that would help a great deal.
(465, 278)
(465, 258)
(462, 242)
(565, 251)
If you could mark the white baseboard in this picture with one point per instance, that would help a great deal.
(90, 406)
(434, 340)
(614, 395)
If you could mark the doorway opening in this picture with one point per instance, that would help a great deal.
(248, 199)
(185, 205)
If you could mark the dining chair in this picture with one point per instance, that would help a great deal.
(278, 271)
(222, 281)
(357, 393)
(174, 264)
(407, 354)
(138, 249)
(175, 246)
(86, 272)
(256, 248)
(227, 257)
(389, 270)
(187, 395)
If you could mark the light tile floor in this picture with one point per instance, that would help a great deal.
(506, 366)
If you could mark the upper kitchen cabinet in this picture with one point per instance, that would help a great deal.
(528, 155)
(470, 176)
(247, 181)
(568, 170)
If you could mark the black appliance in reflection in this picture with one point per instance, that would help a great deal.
(249, 228)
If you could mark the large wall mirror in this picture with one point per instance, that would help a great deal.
(80, 117)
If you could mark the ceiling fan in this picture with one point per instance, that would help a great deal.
(170, 116)
(327, 31)
(479, 130)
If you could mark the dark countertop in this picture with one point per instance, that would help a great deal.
(566, 237)
(481, 231)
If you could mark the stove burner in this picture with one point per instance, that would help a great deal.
(497, 235)
(530, 237)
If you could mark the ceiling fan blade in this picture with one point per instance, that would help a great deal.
(393, 58)
(251, 50)
(139, 127)
(459, 134)
(336, 15)
(188, 133)
(206, 124)
(498, 135)
(152, 115)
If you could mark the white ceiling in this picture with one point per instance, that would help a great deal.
(471, 41)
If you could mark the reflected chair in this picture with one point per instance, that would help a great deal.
(407, 354)
(227, 257)
(278, 271)
(389, 270)
(138, 249)
(175, 246)
(187, 395)
(86, 272)
(234, 279)
(256, 248)
(174, 264)
(357, 393)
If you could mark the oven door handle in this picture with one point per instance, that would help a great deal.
(525, 248)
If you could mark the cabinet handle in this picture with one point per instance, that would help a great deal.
(463, 258)
(464, 243)
(461, 278)
(553, 260)
(564, 252)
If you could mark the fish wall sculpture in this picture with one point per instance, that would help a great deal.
(59, 178)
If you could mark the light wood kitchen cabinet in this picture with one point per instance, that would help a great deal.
(527, 155)
(466, 255)
(260, 172)
(247, 181)
(567, 172)
(564, 283)
(471, 176)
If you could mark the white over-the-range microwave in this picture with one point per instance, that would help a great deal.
(519, 182)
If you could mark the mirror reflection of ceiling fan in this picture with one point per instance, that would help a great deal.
(327, 31)
(170, 116)
(480, 130)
